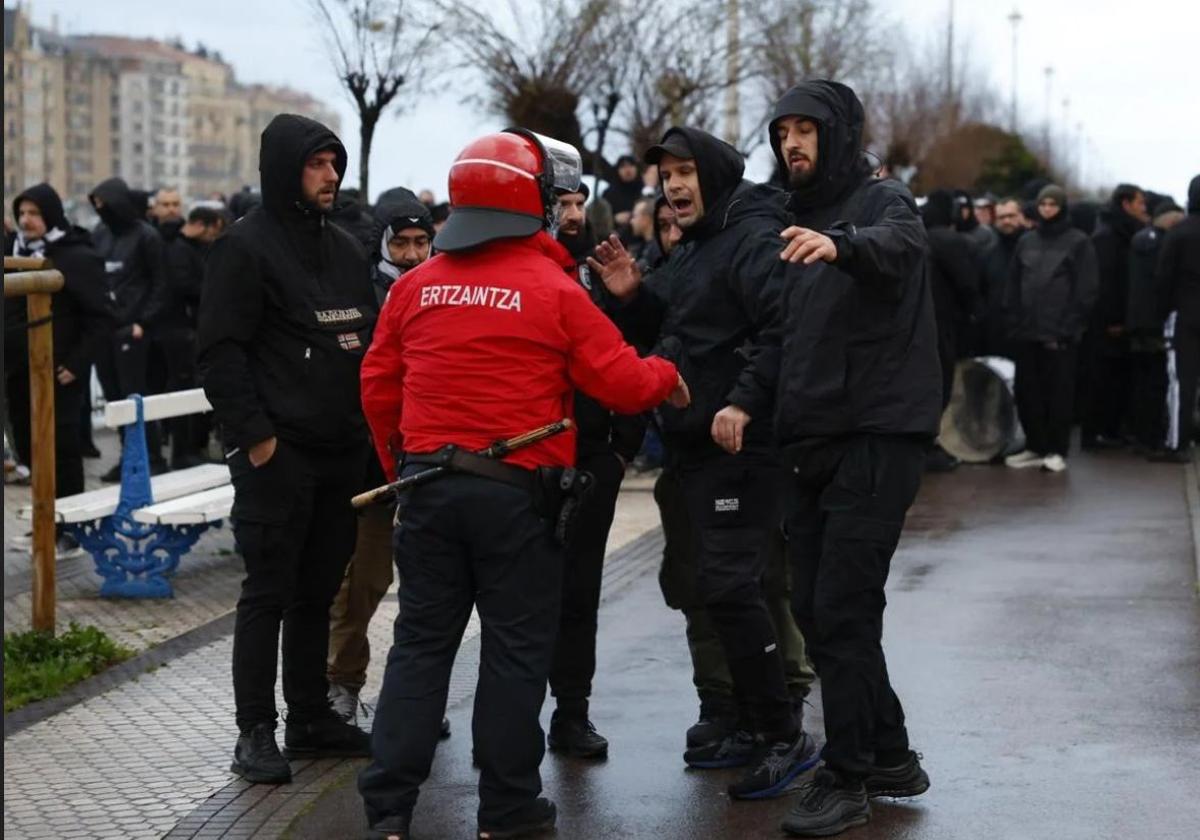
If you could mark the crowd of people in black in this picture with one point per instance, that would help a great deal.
(817, 324)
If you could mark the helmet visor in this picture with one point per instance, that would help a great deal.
(563, 163)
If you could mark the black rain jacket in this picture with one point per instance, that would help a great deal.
(1051, 287)
(1112, 243)
(859, 341)
(1147, 299)
(1179, 264)
(133, 255)
(185, 280)
(287, 310)
(82, 311)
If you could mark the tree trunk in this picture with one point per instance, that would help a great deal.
(366, 136)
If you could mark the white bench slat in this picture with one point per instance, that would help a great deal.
(157, 407)
(203, 507)
(95, 504)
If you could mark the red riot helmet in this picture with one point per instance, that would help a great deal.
(505, 185)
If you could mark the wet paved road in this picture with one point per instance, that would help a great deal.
(1043, 633)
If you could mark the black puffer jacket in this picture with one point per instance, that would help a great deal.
(287, 309)
(1052, 285)
(1179, 266)
(83, 314)
(133, 255)
(709, 294)
(859, 342)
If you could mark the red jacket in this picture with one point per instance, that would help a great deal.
(483, 345)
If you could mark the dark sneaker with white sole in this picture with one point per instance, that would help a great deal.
(827, 807)
(326, 737)
(777, 767)
(903, 780)
(256, 758)
(536, 818)
(734, 750)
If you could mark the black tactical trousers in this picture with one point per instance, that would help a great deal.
(68, 456)
(467, 541)
(1045, 393)
(847, 502)
(295, 529)
(575, 651)
(734, 501)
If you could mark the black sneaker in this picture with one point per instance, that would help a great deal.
(89, 450)
(778, 765)
(826, 808)
(735, 750)
(907, 779)
(576, 737)
(391, 828)
(113, 475)
(444, 732)
(537, 817)
(256, 757)
(716, 721)
(326, 737)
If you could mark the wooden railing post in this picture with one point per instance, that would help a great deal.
(37, 285)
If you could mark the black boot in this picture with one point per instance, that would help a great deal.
(325, 737)
(575, 736)
(537, 817)
(256, 757)
(718, 719)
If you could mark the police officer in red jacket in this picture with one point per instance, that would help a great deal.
(485, 341)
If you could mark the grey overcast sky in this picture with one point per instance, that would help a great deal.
(1124, 65)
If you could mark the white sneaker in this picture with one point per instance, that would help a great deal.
(1023, 459)
(1054, 464)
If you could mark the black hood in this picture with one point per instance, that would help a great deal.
(287, 142)
(120, 210)
(659, 203)
(399, 210)
(839, 116)
(938, 211)
(719, 168)
(964, 224)
(1194, 195)
(48, 202)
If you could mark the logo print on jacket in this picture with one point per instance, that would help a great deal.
(337, 316)
(493, 297)
(727, 505)
(349, 341)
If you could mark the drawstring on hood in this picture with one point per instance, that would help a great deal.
(839, 116)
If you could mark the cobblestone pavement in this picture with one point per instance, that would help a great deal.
(151, 755)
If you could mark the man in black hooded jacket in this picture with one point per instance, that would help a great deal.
(82, 324)
(857, 400)
(285, 317)
(709, 301)
(135, 263)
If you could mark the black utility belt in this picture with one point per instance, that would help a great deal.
(557, 492)
(460, 460)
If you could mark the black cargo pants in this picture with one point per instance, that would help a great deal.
(295, 529)
(734, 502)
(847, 503)
(467, 541)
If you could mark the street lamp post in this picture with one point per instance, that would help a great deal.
(1049, 73)
(1014, 19)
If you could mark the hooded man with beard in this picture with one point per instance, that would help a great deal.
(82, 324)
(712, 311)
(136, 266)
(285, 317)
(857, 398)
(1049, 296)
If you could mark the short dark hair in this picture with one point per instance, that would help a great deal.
(1125, 192)
(207, 216)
